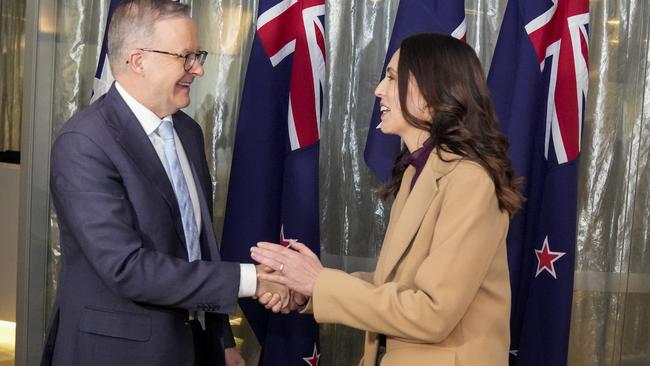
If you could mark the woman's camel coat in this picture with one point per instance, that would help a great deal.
(440, 292)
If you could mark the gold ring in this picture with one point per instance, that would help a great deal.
(281, 267)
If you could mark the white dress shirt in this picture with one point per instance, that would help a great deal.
(150, 122)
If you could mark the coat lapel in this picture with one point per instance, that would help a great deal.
(395, 212)
(192, 150)
(410, 208)
(193, 153)
(209, 248)
(130, 135)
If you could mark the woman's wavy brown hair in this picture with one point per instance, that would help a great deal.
(451, 80)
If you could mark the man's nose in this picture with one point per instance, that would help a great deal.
(197, 70)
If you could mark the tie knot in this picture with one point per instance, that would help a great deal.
(166, 130)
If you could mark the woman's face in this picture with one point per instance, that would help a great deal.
(393, 121)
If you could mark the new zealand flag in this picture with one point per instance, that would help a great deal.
(273, 191)
(413, 16)
(539, 83)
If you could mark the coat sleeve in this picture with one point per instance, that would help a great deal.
(95, 211)
(221, 330)
(469, 233)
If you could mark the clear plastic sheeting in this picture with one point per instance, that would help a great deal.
(611, 303)
(77, 31)
(12, 44)
(611, 313)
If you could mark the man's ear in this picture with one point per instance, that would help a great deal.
(135, 61)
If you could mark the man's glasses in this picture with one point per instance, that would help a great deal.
(190, 58)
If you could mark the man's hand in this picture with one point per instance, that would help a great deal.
(233, 357)
(272, 295)
(298, 300)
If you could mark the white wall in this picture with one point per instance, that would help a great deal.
(9, 197)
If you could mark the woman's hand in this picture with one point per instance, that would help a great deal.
(297, 269)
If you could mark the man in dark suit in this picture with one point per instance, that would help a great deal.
(141, 280)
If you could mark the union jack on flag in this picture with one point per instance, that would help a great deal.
(274, 176)
(539, 81)
(560, 34)
(294, 27)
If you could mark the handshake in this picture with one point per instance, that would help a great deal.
(285, 275)
(274, 296)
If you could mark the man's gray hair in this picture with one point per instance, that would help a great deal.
(132, 26)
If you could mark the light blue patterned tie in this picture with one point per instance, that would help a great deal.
(166, 132)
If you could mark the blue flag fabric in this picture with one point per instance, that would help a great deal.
(538, 81)
(273, 191)
(103, 76)
(413, 16)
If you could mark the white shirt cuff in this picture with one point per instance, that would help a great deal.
(247, 280)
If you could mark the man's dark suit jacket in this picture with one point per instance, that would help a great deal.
(125, 284)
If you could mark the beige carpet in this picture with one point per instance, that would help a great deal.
(7, 343)
(6, 354)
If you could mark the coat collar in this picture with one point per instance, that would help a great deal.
(409, 210)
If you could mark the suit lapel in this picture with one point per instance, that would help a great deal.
(193, 153)
(209, 248)
(130, 135)
(191, 149)
(410, 210)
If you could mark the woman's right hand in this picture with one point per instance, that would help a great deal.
(296, 266)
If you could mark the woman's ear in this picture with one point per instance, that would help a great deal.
(431, 112)
(419, 104)
(424, 109)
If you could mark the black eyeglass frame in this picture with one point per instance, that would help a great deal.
(190, 58)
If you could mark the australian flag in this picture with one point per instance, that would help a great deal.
(103, 76)
(273, 191)
(538, 80)
(413, 16)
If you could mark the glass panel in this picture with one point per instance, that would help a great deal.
(12, 45)
(612, 290)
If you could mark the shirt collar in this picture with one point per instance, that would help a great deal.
(419, 157)
(148, 119)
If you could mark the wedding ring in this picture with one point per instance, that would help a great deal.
(281, 267)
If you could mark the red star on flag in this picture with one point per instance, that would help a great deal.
(546, 258)
(313, 360)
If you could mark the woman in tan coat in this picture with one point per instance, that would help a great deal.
(440, 293)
